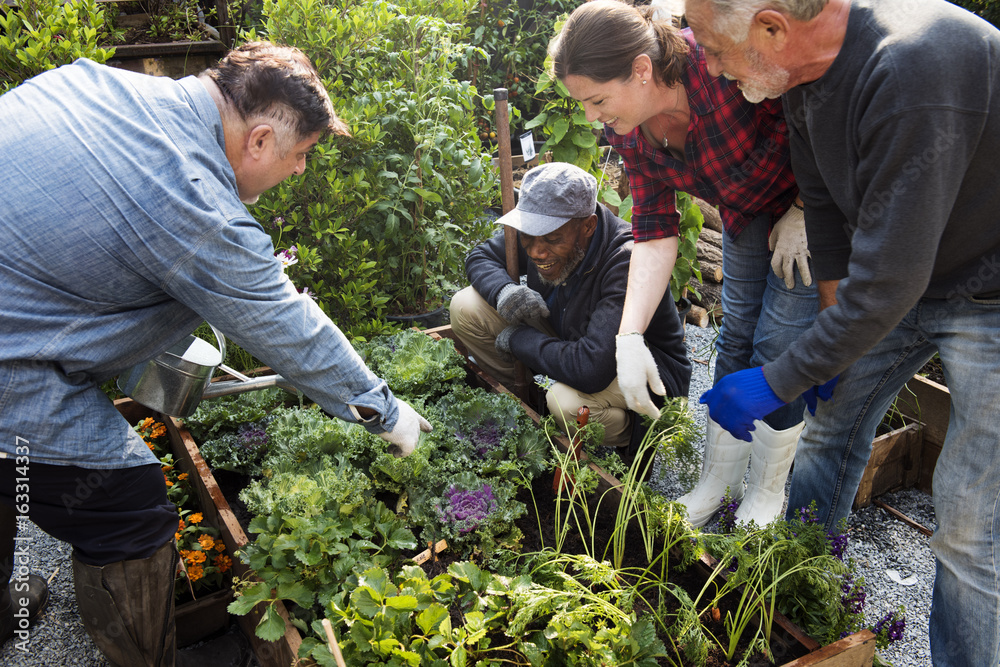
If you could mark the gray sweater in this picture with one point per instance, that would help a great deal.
(894, 149)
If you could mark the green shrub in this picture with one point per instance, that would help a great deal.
(43, 34)
(382, 221)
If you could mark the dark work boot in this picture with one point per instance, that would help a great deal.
(128, 608)
(24, 598)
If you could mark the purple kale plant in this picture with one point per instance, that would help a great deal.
(465, 509)
(485, 437)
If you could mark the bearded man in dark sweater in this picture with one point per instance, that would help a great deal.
(894, 123)
(561, 320)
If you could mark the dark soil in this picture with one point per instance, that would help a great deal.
(932, 371)
(231, 483)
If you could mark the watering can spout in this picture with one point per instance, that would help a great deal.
(244, 384)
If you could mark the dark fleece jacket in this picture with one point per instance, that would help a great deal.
(585, 312)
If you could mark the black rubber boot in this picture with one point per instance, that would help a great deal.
(23, 598)
(128, 608)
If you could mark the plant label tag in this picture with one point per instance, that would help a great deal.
(527, 146)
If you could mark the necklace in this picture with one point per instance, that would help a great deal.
(659, 124)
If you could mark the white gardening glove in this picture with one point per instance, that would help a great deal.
(518, 304)
(788, 241)
(636, 370)
(405, 434)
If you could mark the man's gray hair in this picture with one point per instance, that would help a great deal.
(733, 17)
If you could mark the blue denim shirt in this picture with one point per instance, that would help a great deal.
(121, 229)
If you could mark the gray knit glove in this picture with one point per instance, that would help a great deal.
(502, 343)
(518, 304)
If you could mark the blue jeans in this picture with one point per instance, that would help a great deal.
(836, 444)
(761, 316)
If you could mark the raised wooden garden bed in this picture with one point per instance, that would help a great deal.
(906, 456)
(856, 650)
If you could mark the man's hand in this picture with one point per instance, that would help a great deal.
(637, 370)
(788, 241)
(739, 399)
(820, 392)
(518, 304)
(502, 343)
(405, 434)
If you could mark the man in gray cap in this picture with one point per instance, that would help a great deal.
(560, 320)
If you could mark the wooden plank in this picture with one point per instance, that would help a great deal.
(857, 650)
(894, 464)
(269, 654)
(929, 402)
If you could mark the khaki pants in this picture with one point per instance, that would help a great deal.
(477, 325)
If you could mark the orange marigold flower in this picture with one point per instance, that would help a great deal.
(185, 553)
(181, 477)
(220, 546)
(146, 423)
(196, 517)
(150, 445)
(177, 536)
(167, 482)
(195, 557)
(181, 525)
(223, 563)
(206, 542)
(195, 572)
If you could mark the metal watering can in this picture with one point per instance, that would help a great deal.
(175, 381)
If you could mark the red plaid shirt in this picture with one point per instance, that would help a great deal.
(737, 157)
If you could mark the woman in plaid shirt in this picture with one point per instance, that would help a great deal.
(678, 128)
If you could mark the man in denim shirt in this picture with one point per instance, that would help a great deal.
(123, 227)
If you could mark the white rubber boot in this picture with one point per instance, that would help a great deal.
(772, 456)
(723, 468)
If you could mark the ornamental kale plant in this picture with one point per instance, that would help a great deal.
(239, 452)
(464, 509)
(414, 364)
(228, 413)
(473, 515)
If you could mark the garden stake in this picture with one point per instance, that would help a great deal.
(575, 447)
(331, 640)
(507, 204)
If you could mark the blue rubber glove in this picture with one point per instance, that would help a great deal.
(819, 392)
(740, 398)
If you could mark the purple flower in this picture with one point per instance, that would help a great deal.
(727, 517)
(306, 292)
(466, 508)
(807, 515)
(288, 257)
(853, 598)
(277, 222)
(838, 544)
(892, 626)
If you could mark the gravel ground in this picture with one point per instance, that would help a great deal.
(882, 546)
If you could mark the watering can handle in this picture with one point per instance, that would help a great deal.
(221, 339)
